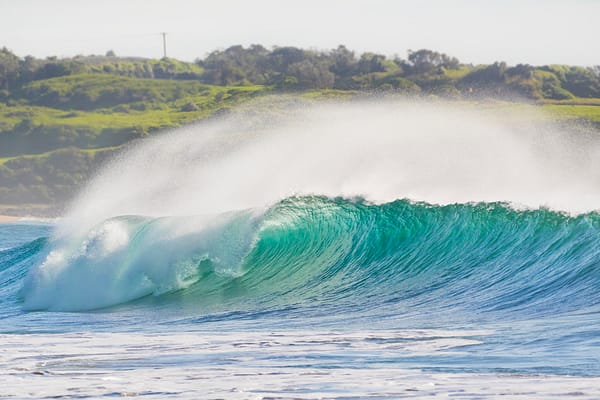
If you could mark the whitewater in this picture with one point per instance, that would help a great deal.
(388, 249)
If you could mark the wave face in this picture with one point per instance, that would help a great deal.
(403, 257)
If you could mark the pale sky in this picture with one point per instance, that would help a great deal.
(527, 31)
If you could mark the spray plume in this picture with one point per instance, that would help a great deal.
(379, 151)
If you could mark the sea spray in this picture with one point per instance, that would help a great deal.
(385, 151)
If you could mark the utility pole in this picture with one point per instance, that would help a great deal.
(164, 35)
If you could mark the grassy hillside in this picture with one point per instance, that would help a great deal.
(61, 118)
(92, 111)
(55, 132)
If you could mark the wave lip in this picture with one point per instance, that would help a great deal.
(129, 257)
(400, 257)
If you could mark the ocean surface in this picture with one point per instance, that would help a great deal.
(312, 297)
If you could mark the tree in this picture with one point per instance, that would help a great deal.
(282, 57)
(29, 66)
(344, 61)
(524, 71)
(309, 75)
(426, 61)
(9, 69)
(371, 62)
(492, 74)
(582, 82)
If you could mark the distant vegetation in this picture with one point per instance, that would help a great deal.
(285, 68)
(60, 118)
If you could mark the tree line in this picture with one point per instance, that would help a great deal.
(291, 68)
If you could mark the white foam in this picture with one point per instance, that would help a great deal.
(127, 258)
(248, 365)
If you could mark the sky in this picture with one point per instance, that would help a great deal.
(536, 32)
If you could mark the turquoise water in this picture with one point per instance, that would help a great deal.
(312, 285)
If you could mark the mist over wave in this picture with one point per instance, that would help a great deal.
(381, 151)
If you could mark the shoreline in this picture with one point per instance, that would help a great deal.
(4, 219)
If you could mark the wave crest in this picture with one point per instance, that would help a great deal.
(129, 257)
(482, 257)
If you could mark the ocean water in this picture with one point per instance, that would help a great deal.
(209, 265)
(311, 298)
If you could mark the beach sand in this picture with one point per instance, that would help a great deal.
(8, 218)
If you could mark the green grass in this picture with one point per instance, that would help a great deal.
(196, 106)
(102, 91)
(98, 120)
(329, 94)
(140, 68)
(170, 104)
(578, 101)
(583, 112)
(38, 130)
(91, 152)
(536, 112)
(141, 102)
(456, 74)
